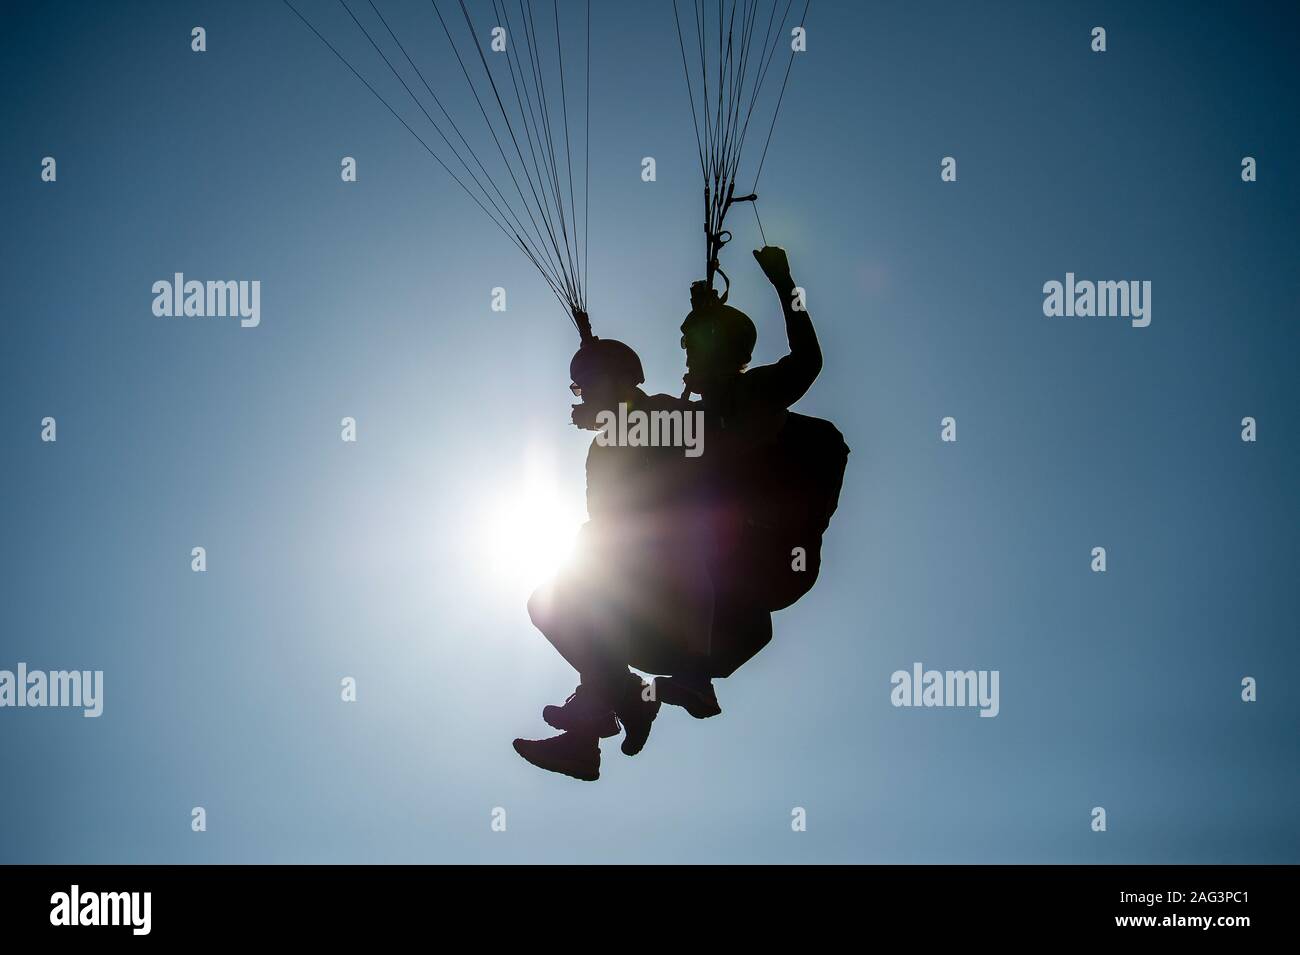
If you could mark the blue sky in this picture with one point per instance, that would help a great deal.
(377, 560)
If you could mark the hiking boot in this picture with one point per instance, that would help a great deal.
(636, 713)
(582, 712)
(696, 698)
(572, 754)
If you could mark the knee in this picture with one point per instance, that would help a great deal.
(539, 608)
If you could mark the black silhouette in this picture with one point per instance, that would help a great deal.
(638, 591)
(683, 561)
(772, 479)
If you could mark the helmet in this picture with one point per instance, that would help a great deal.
(607, 357)
(722, 336)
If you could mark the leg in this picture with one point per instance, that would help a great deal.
(570, 620)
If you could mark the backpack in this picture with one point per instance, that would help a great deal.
(790, 489)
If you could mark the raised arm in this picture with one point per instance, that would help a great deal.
(786, 381)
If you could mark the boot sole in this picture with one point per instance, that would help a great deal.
(690, 702)
(565, 767)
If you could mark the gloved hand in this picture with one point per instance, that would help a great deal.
(772, 260)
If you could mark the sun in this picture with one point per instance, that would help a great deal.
(531, 526)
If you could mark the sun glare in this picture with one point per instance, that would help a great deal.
(531, 527)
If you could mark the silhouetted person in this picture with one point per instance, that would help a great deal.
(682, 561)
(766, 481)
(638, 591)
